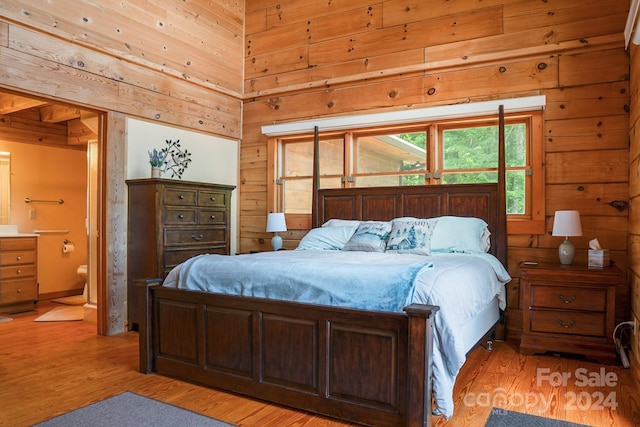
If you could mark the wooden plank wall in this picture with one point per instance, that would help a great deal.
(166, 61)
(634, 201)
(311, 58)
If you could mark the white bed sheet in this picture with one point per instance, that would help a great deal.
(462, 285)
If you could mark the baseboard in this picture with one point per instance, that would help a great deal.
(60, 294)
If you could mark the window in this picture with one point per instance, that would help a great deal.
(439, 152)
(469, 154)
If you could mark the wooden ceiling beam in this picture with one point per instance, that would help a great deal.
(12, 103)
(78, 134)
(58, 113)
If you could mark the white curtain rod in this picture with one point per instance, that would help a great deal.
(511, 105)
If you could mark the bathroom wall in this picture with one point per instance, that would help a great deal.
(51, 173)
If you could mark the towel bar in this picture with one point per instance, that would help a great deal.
(28, 200)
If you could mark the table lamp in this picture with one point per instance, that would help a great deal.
(567, 223)
(275, 223)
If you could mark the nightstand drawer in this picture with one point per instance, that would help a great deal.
(568, 298)
(568, 322)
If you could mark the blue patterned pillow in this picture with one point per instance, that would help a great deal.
(411, 236)
(371, 236)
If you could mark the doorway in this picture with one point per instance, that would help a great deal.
(48, 125)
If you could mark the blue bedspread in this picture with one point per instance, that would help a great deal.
(462, 285)
(387, 285)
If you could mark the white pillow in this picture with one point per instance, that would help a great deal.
(460, 234)
(327, 238)
(411, 236)
(371, 236)
(342, 223)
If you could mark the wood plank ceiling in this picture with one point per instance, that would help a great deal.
(36, 121)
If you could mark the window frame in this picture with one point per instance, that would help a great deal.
(532, 222)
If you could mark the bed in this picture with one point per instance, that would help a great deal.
(373, 367)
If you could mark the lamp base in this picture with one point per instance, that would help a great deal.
(566, 251)
(276, 242)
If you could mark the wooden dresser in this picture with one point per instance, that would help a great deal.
(170, 221)
(18, 273)
(569, 309)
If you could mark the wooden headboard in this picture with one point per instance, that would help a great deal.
(425, 201)
(486, 201)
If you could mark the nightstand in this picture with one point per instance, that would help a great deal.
(569, 309)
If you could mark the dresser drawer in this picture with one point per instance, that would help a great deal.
(17, 271)
(180, 196)
(212, 198)
(12, 291)
(175, 257)
(568, 298)
(18, 243)
(180, 216)
(18, 257)
(211, 217)
(195, 236)
(568, 322)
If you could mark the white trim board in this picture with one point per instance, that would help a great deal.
(631, 26)
(511, 105)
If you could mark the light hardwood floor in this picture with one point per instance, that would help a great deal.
(47, 369)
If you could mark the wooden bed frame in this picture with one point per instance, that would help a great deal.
(367, 367)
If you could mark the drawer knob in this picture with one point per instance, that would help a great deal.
(18, 271)
(181, 216)
(181, 197)
(18, 258)
(569, 300)
(213, 217)
(198, 238)
(19, 290)
(566, 325)
(213, 199)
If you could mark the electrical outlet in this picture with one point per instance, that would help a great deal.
(32, 214)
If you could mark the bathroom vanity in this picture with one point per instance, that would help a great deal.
(18, 270)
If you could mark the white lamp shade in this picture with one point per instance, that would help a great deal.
(276, 222)
(567, 223)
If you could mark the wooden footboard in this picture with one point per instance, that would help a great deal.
(372, 368)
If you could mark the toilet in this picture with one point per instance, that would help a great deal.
(82, 272)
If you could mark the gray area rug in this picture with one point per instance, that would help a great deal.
(504, 418)
(130, 409)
